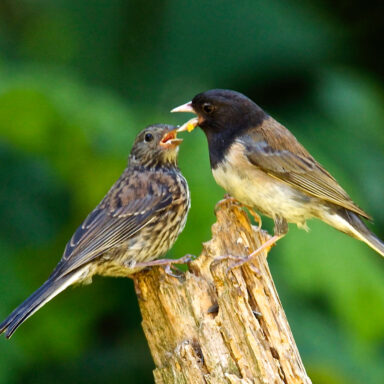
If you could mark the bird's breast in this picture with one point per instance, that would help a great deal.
(253, 187)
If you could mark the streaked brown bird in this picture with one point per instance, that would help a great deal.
(262, 165)
(137, 222)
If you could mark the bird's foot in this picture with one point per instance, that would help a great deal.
(264, 247)
(227, 200)
(167, 263)
(238, 260)
(255, 216)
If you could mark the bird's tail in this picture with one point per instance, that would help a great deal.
(351, 223)
(45, 293)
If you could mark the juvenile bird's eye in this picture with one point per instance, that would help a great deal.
(208, 108)
(148, 137)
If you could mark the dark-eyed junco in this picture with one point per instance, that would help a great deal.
(262, 165)
(137, 222)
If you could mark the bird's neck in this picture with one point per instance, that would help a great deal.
(152, 165)
(218, 147)
(220, 138)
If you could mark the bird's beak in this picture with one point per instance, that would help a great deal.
(190, 125)
(170, 141)
(187, 107)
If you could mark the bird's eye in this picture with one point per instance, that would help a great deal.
(148, 137)
(208, 108)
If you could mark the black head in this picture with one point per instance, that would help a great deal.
(222, 110)
(155, 146)
(224, 115)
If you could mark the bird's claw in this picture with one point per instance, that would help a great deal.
(240, 261)
(227, 200)
(166, 263)
(183, 260)
(224, 257)
(256, 217)
(264, 247)
(171, 272)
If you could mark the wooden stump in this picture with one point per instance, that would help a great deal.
(216, 324)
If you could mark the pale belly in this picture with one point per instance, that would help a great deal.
(265, 193)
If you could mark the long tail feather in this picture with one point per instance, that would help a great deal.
(41, 296)
(351, 223)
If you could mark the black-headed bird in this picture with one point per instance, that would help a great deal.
(262, 165)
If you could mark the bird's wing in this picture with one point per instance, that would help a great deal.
(299, 170)
(112, 222)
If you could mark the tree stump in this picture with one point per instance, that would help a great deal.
(215, 324)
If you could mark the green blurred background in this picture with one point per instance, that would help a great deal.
(79, 79)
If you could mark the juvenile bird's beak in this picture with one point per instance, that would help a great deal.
(187, 107)
(170, 141)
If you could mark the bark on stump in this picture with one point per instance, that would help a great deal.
(218, 325)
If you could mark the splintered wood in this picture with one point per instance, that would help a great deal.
(216, 324)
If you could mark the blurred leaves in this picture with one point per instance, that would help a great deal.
(78, 80)
(28, 200)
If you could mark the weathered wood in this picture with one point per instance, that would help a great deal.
(215, 324)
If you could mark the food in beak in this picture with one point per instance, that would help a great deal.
(189, 126)
(170, 140)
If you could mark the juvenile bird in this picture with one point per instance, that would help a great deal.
(137, 222)
(262, 165)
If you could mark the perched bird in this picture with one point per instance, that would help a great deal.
(137, 222)
(262, 165)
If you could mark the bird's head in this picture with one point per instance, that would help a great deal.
(221, 110)
(156, 146)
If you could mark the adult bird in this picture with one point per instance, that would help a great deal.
(262, 165)
(137, 222)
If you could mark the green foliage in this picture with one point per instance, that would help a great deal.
(78, 80)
